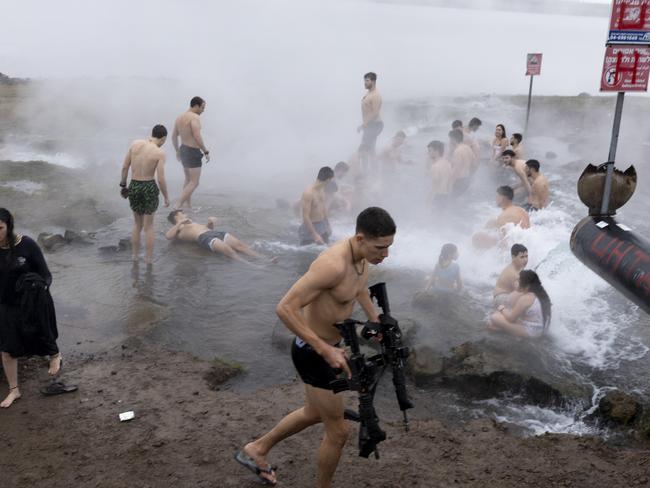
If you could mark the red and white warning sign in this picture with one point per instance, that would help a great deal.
(630, 22)
(533, 64)
(626, 68)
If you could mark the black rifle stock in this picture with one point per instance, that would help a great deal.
(366, 372)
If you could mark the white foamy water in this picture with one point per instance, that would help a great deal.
(24, 186)
(11, 152)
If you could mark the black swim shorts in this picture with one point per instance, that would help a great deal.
(206, 239)
(529, 208)
(191, 157)
(370, 134)
(311, 366)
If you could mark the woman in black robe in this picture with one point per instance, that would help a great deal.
(27, 318)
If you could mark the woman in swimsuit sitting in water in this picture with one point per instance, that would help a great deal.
(531, 313)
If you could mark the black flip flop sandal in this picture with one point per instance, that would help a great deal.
(58, 388)
(249, 463)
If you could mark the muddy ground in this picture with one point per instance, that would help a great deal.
(185, 433)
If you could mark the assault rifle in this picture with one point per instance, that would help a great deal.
(366, 372)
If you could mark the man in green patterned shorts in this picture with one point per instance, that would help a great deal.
(147, 161)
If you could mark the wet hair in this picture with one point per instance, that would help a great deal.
(533, 164)
(457, 124)
(506, 191)
(518, 136)
(325, 173)
(456, 135)
(375, 222)
(370, 76)
(342, 166)
(159, 131)
(401, 134)
(196, 101)
(517, 249)
(529, 279)
(447, 252)
(508, 152)
(437, 146)
(503, 129)
(475, 122)
(172, 216)
(8, 219)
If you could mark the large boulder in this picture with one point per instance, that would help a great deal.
(51, 242)
(618, 408)
(489, 368)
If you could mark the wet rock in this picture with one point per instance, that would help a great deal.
(221, 371)
(424, 361)
(618, 408)
(124, 244)
(81, 237)
(488, 369)
(51, 242)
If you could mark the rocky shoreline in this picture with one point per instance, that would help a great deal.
(187, 426)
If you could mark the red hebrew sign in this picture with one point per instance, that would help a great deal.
(630, 22)
(626, 68)
(533, 64)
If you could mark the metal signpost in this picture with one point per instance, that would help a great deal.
(533, 67)
(626, 68)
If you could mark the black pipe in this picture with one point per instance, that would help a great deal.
(617, 255)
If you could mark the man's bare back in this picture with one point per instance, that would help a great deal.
(507, 281)
(539, 193)
(145, 157)
(441, 177)
(187, 125)
(462, 160)
(513, 215)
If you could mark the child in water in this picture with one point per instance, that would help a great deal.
(446, 274)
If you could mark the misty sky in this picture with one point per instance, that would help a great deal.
(302, 46)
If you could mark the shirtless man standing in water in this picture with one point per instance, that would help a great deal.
(191, 150)
(322, 297)
(538, 198)
(372, 123)
(315, 228)
(146, 160)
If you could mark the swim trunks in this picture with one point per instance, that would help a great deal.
(207, 238)
(312, 368)
(529, 208)
(306, 237)
(370, 134)
(461, 185)
(143, 196)
(191, 157)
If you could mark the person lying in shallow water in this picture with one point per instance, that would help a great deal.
(531, 313)
(206, 236)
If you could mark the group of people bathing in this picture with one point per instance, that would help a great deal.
(521, 305)
(322, 297)
(145, 159)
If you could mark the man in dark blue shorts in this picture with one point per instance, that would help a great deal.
(192, 149)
